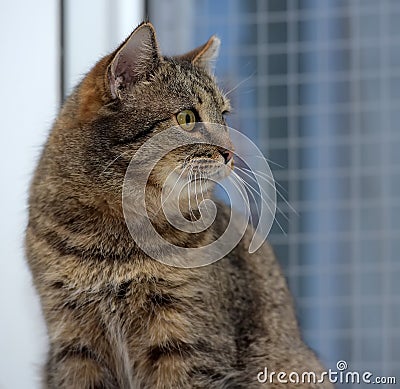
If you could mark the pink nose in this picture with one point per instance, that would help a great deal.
(227, 154)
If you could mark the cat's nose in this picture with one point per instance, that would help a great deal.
(227, 154)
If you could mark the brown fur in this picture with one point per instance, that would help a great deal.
(115, 317)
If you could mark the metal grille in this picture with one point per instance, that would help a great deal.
(317, 87)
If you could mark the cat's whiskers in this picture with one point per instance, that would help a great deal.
(189, 192)
(115, 160)
(239, 84)
(195, 190)
(202, 190)
(267, 177)
(266, 159)
(265, 193)
(188, 187)
(250, 188)
(174, 186)
(271, 182)
(184, 162)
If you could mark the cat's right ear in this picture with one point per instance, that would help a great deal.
(134, 59)
(204, 56)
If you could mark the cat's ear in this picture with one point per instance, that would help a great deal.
(134, 59)
(204, 56)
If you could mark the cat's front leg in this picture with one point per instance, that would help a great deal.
(76, 367)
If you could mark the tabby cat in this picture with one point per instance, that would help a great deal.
(117, 318)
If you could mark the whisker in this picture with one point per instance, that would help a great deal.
(272, 162)
(267, 159)
(176, 182)
(114, 160)
(265, 193)
(269, 208)
(195, 191)
(246, 198)
(250, 190)
(208, 193)
(247, 185)
(202, 194)
(207, 188)
(184, 161)
(267, 179)
(240, 83)
(188, 189)
(192, 215)
(280, 194)
(195, 194)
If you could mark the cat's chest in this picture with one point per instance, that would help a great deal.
(156, 304)
(156, 317)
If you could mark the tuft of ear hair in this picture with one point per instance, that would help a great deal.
(205, 55)
(134, 59)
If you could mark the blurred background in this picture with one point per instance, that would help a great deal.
(314, 83)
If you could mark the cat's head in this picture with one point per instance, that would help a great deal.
(135, 93)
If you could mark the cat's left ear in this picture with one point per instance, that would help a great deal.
(134, 59)
(204, 56)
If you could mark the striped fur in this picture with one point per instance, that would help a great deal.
(115, 317)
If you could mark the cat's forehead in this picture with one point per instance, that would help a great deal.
(196, 83)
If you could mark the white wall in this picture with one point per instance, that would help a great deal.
(29, 101)
(93, 29)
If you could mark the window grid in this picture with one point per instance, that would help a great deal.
(322, 99)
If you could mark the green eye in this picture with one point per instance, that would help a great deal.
(186, 119)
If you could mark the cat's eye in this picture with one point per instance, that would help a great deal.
(186, 119)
